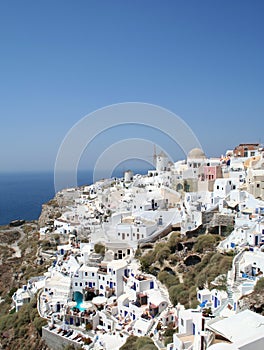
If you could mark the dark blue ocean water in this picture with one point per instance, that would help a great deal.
(22, 194)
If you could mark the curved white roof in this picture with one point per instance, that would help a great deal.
(196, 153)
(222, 346)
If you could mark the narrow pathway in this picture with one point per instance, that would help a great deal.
(15, 247)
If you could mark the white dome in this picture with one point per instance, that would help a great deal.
(196, 153)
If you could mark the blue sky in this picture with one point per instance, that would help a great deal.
(61, 60)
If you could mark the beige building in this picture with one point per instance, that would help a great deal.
(255, 182)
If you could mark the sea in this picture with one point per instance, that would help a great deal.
(22, 194)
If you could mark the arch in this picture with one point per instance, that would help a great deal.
(179, 187)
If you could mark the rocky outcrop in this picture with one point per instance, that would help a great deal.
(50, 211)
(55, 207)
(253, 302)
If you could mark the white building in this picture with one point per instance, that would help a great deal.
(223, 187)
(244, 330)
(190, 329)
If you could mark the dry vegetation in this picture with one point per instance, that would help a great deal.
(166, 261)
(19, 330)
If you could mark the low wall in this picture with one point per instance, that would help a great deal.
(57, 342)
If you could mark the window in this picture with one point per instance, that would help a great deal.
(92, 274)
(76, 284)
(217, 187)
(182, 322)
(80, 284)
(85, 274)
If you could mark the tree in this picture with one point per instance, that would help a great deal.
(205, 242)
(147, 260)
(174, 293)
(168, 279)
(99, 248)
(174, 240)
(163, 254)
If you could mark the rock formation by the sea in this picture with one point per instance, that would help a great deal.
(55, 207)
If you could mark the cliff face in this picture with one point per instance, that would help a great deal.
(50, 211)
(56, 206)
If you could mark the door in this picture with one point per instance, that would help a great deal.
(215, 302)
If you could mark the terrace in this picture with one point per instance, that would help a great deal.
(67, 335)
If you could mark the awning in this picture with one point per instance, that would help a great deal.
(247, 211)
(232, 204)
(203, 303)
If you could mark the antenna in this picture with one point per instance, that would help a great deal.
(155, 156)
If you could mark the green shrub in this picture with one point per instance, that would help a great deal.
(206, 242)
(147, 260)
(99, 248)
(138, 343)
(162, 254)
(168, 279)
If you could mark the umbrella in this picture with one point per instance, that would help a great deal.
(99, 300)
(72, 304)
(86, 305)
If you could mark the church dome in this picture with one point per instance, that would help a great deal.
(196, 153)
